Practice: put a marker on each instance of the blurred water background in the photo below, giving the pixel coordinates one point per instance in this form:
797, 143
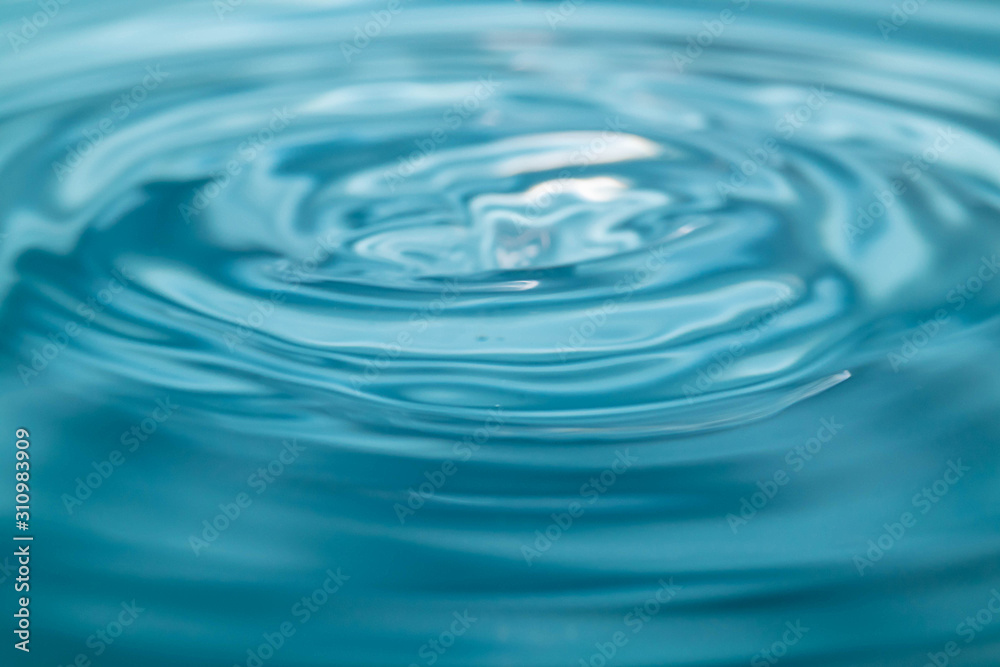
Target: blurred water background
504, 333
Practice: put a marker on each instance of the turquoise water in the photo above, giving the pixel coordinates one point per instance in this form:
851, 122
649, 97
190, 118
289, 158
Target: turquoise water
503, 333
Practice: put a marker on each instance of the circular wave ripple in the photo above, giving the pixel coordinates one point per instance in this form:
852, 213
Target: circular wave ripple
603, 219
565, 222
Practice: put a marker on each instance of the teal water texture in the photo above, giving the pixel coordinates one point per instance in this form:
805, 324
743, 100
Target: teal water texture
503, 333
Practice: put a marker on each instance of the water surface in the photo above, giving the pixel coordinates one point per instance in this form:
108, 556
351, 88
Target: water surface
505, 333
